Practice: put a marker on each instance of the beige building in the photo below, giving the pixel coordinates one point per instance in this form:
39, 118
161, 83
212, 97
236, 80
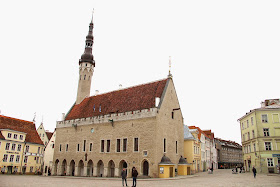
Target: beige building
140, 126
45, 135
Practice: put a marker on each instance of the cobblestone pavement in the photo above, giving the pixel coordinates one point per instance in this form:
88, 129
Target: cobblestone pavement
218, 178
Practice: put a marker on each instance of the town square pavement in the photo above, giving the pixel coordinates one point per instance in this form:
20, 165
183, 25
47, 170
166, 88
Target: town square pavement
222, 177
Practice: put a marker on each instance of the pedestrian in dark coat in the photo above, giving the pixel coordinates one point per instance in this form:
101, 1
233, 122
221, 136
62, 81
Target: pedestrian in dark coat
134, 176
254, 171
124, 176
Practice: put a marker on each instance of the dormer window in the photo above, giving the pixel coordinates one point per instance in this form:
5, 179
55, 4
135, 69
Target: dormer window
9, 135
93, 108
99, 108
21, 137
15, 136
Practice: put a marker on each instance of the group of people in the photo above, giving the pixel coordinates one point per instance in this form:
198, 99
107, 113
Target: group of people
235, 170
134, 176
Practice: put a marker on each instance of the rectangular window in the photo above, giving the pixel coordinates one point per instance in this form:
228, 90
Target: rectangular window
17, 159
21, 137
254, 145
124, 145
85, 142
90, 147
19, 147
248, 135
9, 135
31, 169
12, 158
78, 147
266, 131
249, 147
118, 145
164, 145
108, 146
275, 118
264, 118
269, 162
37, 161
59, 147
7, 146
242, 125
39, 149
252, 121
13, 147
102, 146
247, 123
66, 148
5, 158
243, 137
25, 159
15, 136
176, 147
135, 144
27, 148
267, 146
253, 133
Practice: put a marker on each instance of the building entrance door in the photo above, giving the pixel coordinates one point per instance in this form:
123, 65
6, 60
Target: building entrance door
10, 169
145, 168
171, 172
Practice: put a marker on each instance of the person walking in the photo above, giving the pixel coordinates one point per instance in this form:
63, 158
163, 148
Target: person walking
124, 176
254, 171
134, 176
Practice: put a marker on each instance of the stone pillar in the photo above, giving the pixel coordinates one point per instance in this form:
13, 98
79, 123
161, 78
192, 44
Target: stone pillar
85, 171
117, 172
95, 171
68, 172
76, 171
105, 172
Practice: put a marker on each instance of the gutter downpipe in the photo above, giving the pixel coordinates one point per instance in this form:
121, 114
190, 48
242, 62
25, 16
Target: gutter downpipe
258, 141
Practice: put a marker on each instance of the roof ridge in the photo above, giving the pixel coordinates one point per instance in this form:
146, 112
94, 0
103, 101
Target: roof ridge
16, 119
129, 87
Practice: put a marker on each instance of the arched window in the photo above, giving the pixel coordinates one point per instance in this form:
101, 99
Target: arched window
85, 77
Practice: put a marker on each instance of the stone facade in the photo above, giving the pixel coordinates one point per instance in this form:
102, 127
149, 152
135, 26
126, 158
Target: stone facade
78, 141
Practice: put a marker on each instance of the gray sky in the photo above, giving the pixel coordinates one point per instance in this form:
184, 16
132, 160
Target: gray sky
225, 55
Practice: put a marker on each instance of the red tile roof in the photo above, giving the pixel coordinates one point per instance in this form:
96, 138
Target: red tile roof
209, 134
49, 135
21, 126
129, 99
199, 131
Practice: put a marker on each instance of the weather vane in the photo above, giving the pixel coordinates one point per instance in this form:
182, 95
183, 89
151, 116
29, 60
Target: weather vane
169, 75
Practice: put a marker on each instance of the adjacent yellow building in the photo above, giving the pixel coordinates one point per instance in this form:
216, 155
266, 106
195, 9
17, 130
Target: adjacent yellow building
260, 133
21, 149
192, 149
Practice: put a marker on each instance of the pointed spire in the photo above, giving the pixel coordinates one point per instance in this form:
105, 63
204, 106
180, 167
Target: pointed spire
87, 55
169, 74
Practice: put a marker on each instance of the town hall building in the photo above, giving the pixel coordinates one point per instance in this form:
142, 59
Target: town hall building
140, 126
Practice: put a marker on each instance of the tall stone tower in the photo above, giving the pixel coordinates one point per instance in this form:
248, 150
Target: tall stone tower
86, 67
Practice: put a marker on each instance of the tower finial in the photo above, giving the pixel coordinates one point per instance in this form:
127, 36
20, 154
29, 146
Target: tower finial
169, 74
92, 15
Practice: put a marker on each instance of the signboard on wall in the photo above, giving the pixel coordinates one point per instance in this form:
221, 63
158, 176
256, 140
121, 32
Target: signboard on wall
161, 170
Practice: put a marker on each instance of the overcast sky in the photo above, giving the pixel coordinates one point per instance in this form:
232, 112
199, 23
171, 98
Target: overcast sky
225, 55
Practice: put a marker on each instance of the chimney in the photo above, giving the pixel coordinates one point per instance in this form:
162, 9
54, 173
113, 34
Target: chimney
120, 86
63, 116
96, 92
